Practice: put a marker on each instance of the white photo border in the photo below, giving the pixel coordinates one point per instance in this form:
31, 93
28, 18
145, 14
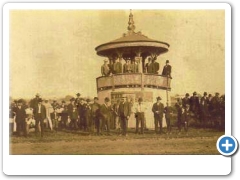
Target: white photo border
129, 164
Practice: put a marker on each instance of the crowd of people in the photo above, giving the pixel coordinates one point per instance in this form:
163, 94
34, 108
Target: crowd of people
132, 66
84, 115
208, 110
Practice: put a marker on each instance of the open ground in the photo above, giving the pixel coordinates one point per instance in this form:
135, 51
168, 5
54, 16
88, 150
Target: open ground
196, 141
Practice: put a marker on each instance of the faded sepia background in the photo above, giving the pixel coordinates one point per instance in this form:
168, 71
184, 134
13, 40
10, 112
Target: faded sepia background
53, 52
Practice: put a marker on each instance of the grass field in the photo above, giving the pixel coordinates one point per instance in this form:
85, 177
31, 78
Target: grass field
197, 141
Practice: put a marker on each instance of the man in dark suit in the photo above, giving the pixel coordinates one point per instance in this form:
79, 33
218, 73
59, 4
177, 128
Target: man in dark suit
124, 112
158, 110
204, 109
71, 105
95, 111
134, 66
167, 70
20, 114
39, 112
186, 100
81, 109
149, 66
105, 116
155, 66
77, 99
117, 66
34, 101
194, 104
127, 67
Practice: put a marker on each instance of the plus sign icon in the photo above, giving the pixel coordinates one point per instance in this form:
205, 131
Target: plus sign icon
227, 145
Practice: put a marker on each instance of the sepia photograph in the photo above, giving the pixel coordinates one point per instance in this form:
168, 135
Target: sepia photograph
116, 81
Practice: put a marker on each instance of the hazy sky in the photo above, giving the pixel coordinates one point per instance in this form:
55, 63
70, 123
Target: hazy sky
53, 52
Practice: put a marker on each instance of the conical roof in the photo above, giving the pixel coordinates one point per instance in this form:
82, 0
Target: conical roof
130, 40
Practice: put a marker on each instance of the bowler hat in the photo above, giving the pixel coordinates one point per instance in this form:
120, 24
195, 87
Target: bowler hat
187, 94
95, 98
194, 93
159, 98
107, 99
216, 93
72, 99
20, 101
205, 93
78, 94
167, 61
140, 99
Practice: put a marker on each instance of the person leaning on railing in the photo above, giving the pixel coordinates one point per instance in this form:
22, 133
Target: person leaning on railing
167, 70
105, 70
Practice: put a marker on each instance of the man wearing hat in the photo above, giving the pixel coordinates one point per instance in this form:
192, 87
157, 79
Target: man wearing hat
167, 70
77, 99
215, 108
158, 110
124, 112
39, 112
127, 67
95, 111
149, 66
64, 115
87, 115
20, 114
155, 66
105, 70
71, 105
73, 115
117, 67
105, 111
194, 104
34, 101
186, 100
54, 104
81, 113
203, 109
139, 110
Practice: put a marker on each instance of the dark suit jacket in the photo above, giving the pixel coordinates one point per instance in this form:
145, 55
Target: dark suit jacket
185, 101
42, 113
70, 108
105, 111
124, 110
159, 108
155, 67
20, 114
117, 67
54, 116
150, 68
167, 70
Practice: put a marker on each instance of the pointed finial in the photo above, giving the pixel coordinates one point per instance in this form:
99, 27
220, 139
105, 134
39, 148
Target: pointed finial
131, 26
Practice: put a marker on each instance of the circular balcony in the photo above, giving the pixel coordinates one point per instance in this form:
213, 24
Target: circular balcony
133, 80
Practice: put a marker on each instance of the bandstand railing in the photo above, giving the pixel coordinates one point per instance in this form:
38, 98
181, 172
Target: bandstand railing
133, 80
